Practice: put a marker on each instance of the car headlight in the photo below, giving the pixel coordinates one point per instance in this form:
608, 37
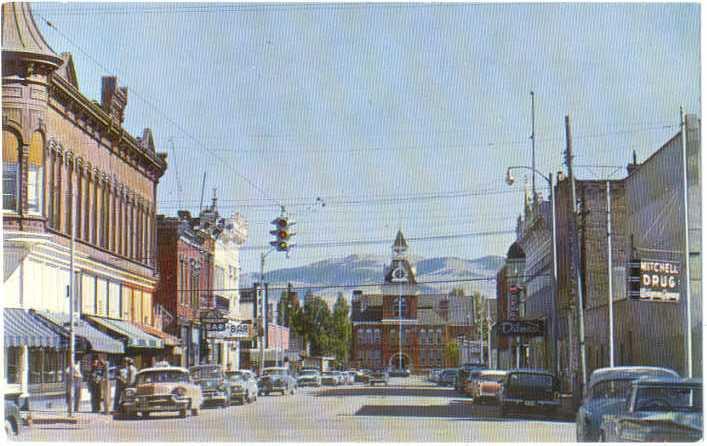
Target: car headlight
179, 392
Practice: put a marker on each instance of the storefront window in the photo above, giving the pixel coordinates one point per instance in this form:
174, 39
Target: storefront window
12, 366
46, 366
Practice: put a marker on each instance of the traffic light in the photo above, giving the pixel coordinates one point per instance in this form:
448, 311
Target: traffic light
283, 233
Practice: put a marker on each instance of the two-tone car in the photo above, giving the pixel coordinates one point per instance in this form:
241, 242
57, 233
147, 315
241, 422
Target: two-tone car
606, 395
664, 409
213, 384
330, 378
378, 376
277, 379
309, 377
244, 386
161, 389
529, 389
486, 387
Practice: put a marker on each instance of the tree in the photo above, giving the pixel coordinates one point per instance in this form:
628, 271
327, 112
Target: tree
340, 332
312, 322
452, 354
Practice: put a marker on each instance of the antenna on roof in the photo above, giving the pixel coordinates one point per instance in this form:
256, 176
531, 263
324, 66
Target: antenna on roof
201, 201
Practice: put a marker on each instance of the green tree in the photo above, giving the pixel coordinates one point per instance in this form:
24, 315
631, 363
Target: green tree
452, 354
313, 323
340, 330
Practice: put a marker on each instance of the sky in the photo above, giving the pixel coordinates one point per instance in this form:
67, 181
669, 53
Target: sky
393, 115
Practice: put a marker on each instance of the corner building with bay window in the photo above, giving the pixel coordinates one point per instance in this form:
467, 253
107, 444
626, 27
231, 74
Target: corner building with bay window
67, 161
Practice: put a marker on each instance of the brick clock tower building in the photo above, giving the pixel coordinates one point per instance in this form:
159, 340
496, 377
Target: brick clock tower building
402, 327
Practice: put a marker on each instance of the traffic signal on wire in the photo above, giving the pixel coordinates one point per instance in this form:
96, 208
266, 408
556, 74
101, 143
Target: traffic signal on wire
283, 233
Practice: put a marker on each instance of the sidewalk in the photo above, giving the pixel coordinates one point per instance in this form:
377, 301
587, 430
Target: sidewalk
57, 413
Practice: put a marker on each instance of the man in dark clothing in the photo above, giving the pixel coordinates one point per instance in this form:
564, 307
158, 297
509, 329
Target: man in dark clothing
121, 382
95, 379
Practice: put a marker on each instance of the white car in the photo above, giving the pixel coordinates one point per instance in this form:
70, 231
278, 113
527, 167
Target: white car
350, 377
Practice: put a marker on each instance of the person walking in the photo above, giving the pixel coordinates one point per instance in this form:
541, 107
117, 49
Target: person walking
95, 380
121, 382
76, 371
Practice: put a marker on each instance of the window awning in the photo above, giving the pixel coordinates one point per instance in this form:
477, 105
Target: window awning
23, 328
168, 339
132, 335
98, 341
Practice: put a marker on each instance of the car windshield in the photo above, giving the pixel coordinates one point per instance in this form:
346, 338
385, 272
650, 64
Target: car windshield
531, 380
497, 378
307, 373
235, 375
615, 388
206, 372
274, 372
162, 376
669, 399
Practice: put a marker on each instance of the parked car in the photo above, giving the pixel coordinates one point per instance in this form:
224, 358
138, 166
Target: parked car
277, 379
162, 389
213, 384
606, 395
309, 377
363, 375
400, 373
350, 376
434, 375
13, 421
662, 409
470, 381
379, 376
529, 389
340, 376
487, 385
243, 385
462, 375
330, 378
447, 377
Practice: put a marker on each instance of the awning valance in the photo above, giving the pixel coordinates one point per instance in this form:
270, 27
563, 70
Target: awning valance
23, 328
133, 336
99, 341
167, 338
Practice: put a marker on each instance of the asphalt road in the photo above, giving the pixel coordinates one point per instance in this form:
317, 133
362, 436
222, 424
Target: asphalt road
409, 409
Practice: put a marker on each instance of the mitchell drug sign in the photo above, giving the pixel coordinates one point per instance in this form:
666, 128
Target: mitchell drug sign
654, 280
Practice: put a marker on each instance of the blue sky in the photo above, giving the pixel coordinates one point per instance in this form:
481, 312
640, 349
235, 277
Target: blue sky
402, 103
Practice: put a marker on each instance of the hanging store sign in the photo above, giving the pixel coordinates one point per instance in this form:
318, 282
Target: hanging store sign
653, 280
521, 328
232, 330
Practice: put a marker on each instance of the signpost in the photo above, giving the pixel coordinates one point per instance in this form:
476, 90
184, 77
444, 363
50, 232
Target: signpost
521, 328
654, 280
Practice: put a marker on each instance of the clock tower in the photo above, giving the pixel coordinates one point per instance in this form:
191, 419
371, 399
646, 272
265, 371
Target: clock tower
400, 271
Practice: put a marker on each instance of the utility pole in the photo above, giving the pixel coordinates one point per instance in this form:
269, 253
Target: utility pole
263, 313
575, 255
532, 138
400, 334
611, 276
488, 329
72, 352
481, 333
688, 310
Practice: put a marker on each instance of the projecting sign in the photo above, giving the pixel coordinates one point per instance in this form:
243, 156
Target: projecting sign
232, 330
654, 280
521, 328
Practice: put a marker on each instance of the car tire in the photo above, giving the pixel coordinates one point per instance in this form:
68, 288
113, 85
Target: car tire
292, 392
10, 428
145, 414
183, 413
602, 437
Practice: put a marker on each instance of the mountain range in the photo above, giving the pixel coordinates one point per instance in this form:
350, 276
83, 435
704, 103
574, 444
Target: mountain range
329, 277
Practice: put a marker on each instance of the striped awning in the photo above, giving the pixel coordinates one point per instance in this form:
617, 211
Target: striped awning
168, 339
23, 328
131, 334
98, 341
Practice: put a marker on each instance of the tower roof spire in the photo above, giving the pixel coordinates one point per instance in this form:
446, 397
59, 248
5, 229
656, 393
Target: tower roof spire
400, 245
21, 36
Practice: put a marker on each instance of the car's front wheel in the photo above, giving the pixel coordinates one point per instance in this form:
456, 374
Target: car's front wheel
183, 413
145, 414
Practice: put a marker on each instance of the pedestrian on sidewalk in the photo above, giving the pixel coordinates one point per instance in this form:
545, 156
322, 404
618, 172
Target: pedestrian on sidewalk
76, 372
95, 380
121, 382
132, 372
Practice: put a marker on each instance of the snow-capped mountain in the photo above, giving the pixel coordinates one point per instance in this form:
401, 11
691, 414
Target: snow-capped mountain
440, 274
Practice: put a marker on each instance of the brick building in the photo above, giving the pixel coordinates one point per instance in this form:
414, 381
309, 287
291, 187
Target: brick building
64, 152
403, 326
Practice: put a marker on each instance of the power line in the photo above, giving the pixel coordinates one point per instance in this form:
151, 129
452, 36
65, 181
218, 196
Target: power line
159, 111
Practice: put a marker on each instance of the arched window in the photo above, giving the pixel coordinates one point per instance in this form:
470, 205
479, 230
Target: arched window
393, 337
400, 307
369, 336
377, 335
35, 171
10, 170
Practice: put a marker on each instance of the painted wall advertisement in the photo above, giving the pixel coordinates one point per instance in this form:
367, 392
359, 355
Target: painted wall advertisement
654, 280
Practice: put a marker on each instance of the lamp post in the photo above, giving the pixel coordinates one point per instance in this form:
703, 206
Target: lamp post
263, 313
510, 180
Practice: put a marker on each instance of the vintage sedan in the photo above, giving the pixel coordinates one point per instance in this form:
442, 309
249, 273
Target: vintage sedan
470, 381
161, 389
606, 395
213, 383
244, 386
350, 376
487, 385
379, 376
330, 378
277, 379
309, 377
665, 409
447, 377
524, 389
362, 375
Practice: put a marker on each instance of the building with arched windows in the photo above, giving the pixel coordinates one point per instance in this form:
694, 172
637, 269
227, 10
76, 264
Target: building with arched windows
69, 163
402, 326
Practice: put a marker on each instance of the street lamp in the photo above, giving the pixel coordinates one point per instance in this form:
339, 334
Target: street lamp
510, 180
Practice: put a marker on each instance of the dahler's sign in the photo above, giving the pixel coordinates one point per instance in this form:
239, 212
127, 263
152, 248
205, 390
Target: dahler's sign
654, 280
232, 330
521, 328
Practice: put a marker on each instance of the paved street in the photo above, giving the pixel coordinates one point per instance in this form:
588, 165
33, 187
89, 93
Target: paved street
409, 409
